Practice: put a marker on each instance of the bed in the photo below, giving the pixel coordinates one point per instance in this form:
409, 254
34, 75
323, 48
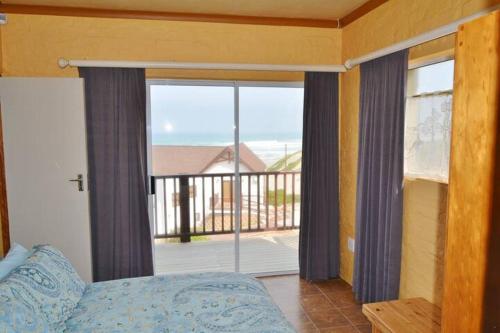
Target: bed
41, 298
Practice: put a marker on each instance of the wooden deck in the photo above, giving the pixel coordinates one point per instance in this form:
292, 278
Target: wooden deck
260, 253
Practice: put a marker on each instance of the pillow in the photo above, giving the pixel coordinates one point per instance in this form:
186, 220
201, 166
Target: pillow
15, 257
16, 314
46, 283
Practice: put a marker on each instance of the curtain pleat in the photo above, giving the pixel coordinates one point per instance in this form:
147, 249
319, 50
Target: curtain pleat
319, 212
115, 101
379, 199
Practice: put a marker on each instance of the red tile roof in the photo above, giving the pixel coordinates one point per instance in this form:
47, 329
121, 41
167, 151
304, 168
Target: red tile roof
172, 160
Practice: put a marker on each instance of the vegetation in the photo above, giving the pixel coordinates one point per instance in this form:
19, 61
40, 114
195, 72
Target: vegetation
289, 198
193, 239
291, 162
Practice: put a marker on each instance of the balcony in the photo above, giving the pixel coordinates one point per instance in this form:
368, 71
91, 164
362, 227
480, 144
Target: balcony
194, 217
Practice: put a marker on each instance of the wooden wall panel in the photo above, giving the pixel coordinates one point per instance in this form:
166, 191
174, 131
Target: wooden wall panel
424, 230
473, 171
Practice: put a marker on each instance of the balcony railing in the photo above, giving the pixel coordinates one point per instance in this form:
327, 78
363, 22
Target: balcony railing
203, 204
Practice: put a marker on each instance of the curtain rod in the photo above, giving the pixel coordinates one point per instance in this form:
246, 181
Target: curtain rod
199, 65
350, 63
419, 39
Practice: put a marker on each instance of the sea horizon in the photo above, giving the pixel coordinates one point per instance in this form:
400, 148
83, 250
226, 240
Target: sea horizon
269, 148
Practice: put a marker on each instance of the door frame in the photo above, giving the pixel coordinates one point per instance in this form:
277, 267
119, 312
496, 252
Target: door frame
4, 210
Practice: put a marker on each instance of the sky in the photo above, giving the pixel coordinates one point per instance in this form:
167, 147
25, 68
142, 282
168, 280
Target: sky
190, 114
204, 114
436, 77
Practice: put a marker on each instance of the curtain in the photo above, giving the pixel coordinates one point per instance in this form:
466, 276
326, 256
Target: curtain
379, 199
115, 101
427, 136
319, 209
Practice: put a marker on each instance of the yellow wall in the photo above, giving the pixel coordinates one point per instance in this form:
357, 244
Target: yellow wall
424, 223
32, 44
393, 21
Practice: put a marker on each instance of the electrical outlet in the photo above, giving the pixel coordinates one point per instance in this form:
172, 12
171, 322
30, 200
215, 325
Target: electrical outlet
350, 244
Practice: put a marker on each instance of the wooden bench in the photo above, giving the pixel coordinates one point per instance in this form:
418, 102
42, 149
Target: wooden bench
414, 315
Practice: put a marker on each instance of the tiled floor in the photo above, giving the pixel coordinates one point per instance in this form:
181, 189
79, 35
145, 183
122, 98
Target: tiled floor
317, 307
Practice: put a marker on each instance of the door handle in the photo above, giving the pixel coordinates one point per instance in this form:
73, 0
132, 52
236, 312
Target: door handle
79, 180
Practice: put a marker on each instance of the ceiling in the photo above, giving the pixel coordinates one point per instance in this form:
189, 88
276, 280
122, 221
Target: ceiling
307, 9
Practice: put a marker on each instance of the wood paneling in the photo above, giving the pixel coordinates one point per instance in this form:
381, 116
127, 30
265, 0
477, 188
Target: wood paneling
473, 199
360, 11
424, 230
167, 16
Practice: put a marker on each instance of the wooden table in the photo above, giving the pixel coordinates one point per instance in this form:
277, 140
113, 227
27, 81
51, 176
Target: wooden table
414, 315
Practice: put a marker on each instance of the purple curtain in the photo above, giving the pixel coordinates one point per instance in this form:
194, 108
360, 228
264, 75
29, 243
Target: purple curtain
115, 101
380, 178
319, 209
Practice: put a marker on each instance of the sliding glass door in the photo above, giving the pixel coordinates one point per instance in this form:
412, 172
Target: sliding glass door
204, 136
192, 164
271, 144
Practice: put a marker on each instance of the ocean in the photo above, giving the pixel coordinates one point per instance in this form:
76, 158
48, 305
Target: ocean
268, 147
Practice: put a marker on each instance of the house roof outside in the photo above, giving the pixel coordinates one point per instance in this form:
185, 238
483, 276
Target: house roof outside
173, 160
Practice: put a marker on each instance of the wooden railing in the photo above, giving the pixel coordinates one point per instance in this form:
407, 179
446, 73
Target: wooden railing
203, 204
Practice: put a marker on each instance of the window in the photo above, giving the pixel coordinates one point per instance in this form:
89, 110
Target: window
428, 121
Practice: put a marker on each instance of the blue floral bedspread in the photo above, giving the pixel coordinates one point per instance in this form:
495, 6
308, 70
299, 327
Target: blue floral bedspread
205, 302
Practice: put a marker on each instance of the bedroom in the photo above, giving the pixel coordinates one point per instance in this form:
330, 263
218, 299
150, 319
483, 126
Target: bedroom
231, 46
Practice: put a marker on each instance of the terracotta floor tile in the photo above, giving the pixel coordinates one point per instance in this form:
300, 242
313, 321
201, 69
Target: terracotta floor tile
354, 314
313, 303
328, 318
364, 328
333, 285
311, 307
307, 288
340, 329
342, 299
290, 287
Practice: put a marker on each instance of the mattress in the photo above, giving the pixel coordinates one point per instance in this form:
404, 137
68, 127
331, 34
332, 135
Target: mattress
205, 302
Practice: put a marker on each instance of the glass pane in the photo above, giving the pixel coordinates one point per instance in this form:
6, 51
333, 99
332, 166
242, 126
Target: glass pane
427, 136
432, 78
271, 137
193, 162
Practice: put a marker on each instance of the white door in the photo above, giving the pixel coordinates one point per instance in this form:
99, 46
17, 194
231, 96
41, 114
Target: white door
45, 147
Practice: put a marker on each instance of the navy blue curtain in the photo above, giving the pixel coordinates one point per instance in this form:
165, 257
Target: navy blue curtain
380, 178
319, 209
115, 102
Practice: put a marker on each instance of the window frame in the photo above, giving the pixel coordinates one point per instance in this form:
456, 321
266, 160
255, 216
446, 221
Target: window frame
414, 65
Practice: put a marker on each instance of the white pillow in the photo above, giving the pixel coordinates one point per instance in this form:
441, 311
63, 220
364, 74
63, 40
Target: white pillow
15, 257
